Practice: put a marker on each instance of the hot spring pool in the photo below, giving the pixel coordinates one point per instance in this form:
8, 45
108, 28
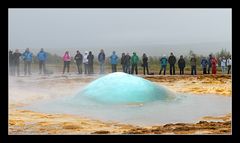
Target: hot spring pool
130, 99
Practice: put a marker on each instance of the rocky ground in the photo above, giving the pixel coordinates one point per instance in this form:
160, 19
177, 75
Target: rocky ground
29, 122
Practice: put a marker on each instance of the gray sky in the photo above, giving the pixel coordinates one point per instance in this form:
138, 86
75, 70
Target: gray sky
154, 31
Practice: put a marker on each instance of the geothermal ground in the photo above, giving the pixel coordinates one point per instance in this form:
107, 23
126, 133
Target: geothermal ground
24, 91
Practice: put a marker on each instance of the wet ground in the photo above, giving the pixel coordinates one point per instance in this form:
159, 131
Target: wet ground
24, 91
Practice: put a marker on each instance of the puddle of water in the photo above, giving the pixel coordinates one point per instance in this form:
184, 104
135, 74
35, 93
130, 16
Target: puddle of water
184, 108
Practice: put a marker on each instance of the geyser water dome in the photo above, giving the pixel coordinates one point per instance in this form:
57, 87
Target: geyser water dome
120, 87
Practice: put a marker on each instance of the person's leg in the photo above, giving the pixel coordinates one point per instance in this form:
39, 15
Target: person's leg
92, 69
170, 69
164, 69
78, 68
64, 66
147, 70
144, 69
191, 70
29, 68
115, 68
40, 67
68, 66
161, 70
12, 70
228, 69
136, 68
180, 70
132, 68
126, 68
18, 72
213, 70
103, 68
195, 68
44, 67
88, 68
173, 69
183, 70
25, 67
100, 68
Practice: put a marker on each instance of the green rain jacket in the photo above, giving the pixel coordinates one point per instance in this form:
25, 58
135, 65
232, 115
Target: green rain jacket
134, 59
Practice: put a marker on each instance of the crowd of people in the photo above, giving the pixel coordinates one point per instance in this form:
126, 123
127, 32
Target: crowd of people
129, 63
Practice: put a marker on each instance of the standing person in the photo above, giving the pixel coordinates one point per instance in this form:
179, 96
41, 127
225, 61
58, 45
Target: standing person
181, 65
123, 61
229, 64
90, 58
79, 59
66, 60
134, 62
127, 63
223, 64
16, 56
204, 64
214, 65
172, 61
113, 61
163, 62
145, 63
27, 58
42, 57
85, 62
11, 63
193, 63
101, 60
209, 63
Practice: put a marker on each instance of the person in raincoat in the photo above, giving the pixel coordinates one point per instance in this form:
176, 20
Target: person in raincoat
27, 58
134, 62
204, 64
113, 61
79, 59
85, 62
163, 62
90, 58
66, 60
214, 63
42, 57
101, 60
181, 64
172, 61
145, 63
